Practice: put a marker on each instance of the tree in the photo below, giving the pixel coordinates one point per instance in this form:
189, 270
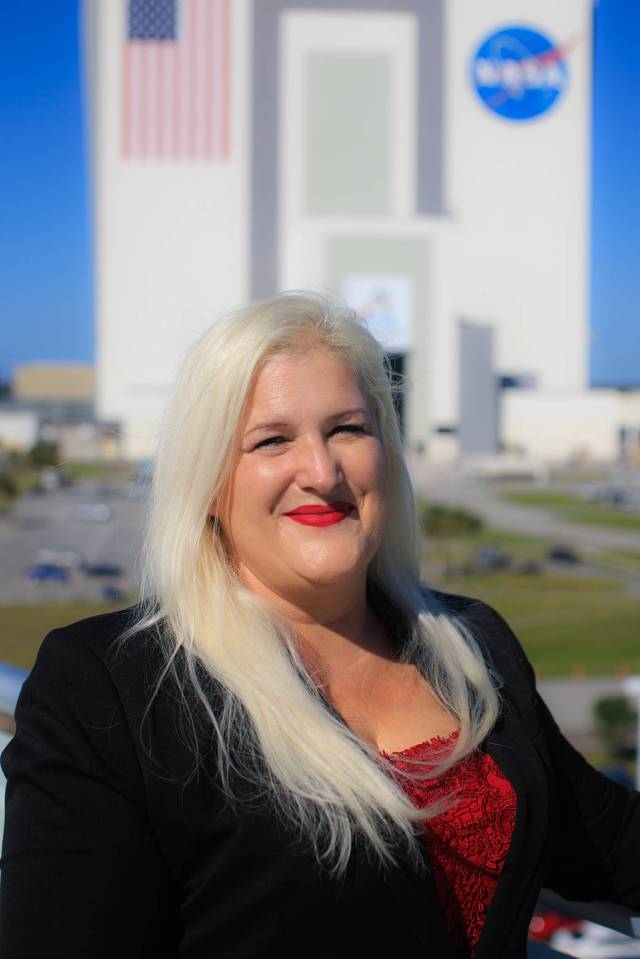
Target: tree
445, 521
615, 720
44, 454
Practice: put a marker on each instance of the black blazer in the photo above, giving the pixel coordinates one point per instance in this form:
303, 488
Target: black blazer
115, 846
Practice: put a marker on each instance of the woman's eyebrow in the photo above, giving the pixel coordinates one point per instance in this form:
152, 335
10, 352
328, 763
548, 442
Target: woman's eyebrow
283, 424
271, 425
346, 413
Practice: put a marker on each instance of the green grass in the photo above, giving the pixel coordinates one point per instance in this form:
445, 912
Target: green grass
98, 470
620, 560
457, 552
567, 624
547, 498
574, 509
22, 628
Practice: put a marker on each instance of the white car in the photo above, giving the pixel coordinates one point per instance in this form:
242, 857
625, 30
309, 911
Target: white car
94, 513
60, 556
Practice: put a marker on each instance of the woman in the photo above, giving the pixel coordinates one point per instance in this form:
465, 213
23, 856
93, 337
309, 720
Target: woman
291, 747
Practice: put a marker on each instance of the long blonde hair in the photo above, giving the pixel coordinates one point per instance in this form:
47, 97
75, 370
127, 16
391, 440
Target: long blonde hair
321, 777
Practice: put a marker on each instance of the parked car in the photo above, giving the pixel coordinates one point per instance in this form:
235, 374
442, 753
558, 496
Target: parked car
49, 479
609, 494
60, 556
112, 594
490, 559
528, 567
561, 553
94, 512
43, 572
104, 569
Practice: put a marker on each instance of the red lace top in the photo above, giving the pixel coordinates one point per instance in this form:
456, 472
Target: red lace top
468, 841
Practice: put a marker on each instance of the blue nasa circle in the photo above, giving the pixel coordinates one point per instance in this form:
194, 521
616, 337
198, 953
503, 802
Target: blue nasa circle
519, 73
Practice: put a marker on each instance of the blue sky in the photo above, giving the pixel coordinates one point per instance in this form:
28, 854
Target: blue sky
46, 282
45, 258
615, 228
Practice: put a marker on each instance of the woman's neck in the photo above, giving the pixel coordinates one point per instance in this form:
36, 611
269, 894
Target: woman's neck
335, 626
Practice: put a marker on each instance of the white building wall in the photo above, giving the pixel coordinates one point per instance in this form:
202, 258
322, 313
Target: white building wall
511, 248
171, 238
519, 192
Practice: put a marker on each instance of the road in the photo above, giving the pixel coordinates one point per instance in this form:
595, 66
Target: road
448, 485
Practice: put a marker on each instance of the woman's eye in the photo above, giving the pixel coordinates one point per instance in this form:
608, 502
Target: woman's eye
270, 441
349, 428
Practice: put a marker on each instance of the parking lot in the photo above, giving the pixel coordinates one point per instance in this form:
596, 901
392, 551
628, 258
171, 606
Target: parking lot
97, 524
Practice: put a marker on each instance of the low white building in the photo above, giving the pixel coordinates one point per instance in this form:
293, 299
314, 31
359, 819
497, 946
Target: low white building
581, 425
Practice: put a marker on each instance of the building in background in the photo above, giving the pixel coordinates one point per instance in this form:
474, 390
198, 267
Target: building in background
54, 403
54, 381
426, 160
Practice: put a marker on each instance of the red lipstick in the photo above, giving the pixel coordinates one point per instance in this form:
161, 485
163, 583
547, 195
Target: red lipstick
321, 515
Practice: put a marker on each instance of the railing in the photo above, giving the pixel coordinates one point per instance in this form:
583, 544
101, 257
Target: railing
604, 913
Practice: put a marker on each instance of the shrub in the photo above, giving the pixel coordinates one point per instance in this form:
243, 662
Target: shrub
8, 485
445, 521
615, 720
44, 454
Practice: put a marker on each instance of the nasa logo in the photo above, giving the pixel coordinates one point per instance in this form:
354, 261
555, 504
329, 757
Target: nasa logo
519, 73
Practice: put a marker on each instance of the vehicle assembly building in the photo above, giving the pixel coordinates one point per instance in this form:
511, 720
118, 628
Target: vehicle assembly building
427, 160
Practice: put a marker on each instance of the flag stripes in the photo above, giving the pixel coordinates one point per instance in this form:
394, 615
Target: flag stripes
175, 84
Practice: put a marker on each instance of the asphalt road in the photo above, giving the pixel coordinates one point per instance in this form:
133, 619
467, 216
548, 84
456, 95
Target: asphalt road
52, 519
449, 485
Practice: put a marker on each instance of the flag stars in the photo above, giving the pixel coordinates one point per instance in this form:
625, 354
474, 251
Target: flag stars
152, 20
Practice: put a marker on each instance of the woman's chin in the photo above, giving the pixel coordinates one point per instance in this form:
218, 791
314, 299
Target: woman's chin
332, 574
336, 566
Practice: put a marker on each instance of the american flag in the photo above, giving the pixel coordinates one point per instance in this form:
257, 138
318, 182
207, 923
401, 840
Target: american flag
175, 79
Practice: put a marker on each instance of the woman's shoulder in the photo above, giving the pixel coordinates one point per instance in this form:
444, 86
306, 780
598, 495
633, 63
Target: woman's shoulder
112, 690
94, 662
105, 637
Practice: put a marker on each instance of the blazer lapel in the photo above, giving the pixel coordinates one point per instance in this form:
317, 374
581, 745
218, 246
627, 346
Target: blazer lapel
513, 752
413, 890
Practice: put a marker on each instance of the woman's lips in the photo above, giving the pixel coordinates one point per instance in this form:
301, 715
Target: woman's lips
321, 515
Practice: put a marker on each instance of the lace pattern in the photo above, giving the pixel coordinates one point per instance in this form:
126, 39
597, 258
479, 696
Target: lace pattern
468, 841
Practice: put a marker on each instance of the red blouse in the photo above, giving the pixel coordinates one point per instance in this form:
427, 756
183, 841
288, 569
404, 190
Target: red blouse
468, 841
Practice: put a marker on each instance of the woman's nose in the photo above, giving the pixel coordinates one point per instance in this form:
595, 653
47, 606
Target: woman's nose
318, 467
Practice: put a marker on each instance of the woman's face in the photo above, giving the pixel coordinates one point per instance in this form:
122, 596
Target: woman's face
306, 502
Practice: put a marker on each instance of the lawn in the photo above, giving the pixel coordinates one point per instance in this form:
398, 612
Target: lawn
574, 509
568, 624
22, 628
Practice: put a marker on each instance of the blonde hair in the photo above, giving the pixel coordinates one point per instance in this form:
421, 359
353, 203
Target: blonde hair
320, 776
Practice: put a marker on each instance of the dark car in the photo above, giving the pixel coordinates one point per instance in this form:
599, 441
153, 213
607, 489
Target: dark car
104, 569
560, 553
112, 594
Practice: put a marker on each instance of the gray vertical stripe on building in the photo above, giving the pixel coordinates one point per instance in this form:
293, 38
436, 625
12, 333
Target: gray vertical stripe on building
478, 412
264, 234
